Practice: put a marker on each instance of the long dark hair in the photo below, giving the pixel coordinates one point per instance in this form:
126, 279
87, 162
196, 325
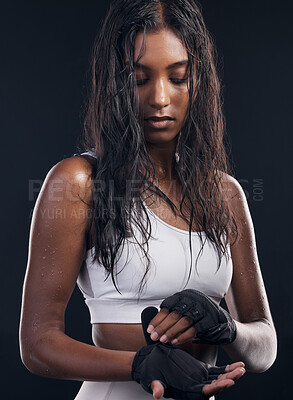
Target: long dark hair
113, 130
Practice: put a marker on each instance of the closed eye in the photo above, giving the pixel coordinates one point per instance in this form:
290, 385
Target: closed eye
141, 82
178, 81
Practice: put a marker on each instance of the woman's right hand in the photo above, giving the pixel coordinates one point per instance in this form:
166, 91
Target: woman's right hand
224, 381
166, 369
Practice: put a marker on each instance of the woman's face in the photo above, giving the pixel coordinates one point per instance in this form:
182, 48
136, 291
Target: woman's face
162, 79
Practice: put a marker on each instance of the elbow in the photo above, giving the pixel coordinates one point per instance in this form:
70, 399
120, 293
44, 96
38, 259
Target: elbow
28, 364
31, 357
262, 366
268, 359
30, 360
41, 354
256, 346
268, 362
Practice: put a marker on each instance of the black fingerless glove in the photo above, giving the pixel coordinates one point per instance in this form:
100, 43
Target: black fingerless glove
213, 324
182, 376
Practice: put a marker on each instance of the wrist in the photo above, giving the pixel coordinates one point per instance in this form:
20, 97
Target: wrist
131, 356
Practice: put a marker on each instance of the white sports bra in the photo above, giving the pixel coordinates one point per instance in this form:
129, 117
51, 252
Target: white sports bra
169, 269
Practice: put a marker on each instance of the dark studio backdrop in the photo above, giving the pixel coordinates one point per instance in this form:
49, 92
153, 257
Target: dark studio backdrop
44, 59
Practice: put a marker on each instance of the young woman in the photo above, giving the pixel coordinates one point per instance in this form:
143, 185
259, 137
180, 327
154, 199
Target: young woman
148, 210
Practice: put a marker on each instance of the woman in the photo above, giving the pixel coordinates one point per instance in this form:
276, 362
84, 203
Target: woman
149, 210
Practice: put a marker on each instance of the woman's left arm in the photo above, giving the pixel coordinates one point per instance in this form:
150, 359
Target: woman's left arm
256, 341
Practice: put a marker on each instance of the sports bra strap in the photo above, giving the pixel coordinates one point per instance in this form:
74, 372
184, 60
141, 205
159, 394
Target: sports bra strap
90, 153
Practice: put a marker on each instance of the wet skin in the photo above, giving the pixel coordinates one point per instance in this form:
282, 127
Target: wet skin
57, 249
162, 80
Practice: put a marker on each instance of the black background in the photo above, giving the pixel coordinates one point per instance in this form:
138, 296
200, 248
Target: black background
44, 59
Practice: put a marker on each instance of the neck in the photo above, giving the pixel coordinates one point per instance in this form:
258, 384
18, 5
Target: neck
163, 158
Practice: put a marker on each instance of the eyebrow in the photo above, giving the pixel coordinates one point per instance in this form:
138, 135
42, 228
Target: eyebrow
176, 64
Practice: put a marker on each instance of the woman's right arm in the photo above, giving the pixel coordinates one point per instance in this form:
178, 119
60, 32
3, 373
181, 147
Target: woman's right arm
57, 247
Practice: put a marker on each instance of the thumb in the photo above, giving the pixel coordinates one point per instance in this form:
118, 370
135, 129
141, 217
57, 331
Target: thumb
146, 316
158, 389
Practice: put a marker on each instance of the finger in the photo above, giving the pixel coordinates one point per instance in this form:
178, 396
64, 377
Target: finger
169, 320
158, 389
146, 316
217, 386
179, 329
172, 326
235, 374
235, 365
236, 371
158, 319
217, 370
184, 336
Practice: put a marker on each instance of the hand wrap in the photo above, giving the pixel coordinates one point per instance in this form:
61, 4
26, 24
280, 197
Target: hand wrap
182, 375
213, 324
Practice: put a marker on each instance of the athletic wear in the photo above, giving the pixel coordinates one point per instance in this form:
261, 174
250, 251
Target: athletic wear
128, 390
170, 264
213, 324
182, 375
169, 270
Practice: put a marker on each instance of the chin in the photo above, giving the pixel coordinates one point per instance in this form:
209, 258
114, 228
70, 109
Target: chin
160, 136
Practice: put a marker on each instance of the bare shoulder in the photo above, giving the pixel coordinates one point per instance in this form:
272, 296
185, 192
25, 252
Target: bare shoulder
233, 193
235, 198
230, 186
76, 168
65, 200
62, 218
73, 176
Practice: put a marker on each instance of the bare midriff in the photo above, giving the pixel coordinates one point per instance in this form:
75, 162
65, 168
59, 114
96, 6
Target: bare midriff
130, 337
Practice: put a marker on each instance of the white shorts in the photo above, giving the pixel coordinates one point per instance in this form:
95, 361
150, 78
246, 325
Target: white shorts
128, 390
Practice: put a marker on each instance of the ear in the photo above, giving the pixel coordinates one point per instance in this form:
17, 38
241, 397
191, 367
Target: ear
146, 316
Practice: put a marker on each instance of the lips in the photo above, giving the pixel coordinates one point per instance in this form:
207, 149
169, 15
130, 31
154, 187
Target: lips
159, 122
154, 118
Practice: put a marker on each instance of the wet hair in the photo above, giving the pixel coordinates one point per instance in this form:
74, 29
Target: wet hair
112, 129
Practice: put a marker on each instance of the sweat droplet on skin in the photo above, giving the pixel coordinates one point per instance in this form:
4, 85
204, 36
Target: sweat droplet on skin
36, 321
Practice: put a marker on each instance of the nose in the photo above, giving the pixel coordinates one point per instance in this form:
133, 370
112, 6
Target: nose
159, 94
